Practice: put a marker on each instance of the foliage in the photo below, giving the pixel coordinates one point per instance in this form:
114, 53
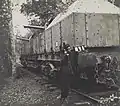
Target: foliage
41, 9
117, 3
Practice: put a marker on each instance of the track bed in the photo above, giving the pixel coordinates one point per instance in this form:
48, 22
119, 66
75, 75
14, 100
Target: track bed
87, 93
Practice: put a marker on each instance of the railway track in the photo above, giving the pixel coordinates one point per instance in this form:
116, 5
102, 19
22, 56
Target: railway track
92, 100
87, 97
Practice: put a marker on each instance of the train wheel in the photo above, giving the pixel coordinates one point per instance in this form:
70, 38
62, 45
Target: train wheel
46, 70
53, 73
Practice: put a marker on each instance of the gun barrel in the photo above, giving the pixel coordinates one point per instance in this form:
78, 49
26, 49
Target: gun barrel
34, 27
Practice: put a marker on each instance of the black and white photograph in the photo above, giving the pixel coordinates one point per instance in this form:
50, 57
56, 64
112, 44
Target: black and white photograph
59, 52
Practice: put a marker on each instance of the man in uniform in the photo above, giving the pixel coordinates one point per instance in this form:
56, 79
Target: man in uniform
65, 74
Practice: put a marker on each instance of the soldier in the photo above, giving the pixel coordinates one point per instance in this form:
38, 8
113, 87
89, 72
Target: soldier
65, 74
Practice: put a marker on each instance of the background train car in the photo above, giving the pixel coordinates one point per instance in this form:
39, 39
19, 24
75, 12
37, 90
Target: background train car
25, 47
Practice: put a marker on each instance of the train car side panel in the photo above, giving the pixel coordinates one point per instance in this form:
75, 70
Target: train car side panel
48, 40
80, 34
39, 41
56, 37
27, 47
22, 48
34, 45
67, 30
102, 30
31, 46
42, 43
119, 27
37, 44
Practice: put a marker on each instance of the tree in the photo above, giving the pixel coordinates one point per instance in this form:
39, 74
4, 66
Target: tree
5, 37
117, 3
41, 9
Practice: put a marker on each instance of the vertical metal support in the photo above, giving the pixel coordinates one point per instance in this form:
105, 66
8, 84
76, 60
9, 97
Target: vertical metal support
44, 43
74, 29
51, 41
39, 41
86, 35
61, 36
52, 51
119, 29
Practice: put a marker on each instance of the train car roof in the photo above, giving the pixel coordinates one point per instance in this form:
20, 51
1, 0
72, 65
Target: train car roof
87, 6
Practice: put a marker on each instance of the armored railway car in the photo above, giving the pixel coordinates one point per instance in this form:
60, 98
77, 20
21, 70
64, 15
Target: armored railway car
96, 25
92, 23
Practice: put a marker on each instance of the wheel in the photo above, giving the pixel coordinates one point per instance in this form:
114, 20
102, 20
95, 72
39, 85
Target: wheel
46, 70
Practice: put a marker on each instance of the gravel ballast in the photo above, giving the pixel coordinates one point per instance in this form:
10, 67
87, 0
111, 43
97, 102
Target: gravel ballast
27, 91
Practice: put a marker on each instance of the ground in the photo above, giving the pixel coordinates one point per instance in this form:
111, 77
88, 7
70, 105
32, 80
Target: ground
32, 90
26, 91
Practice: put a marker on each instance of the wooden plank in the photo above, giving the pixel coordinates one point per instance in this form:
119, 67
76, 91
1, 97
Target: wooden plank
48, 40
56, 37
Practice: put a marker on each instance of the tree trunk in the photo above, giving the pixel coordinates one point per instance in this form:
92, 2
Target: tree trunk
6, 36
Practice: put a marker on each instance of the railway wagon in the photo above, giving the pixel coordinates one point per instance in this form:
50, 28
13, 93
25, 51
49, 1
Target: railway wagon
92, 23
